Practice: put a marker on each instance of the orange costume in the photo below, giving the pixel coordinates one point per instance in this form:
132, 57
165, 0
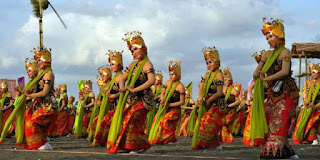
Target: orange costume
313, 119
168, 124
214, 118
42, 111
132, 135
63, 117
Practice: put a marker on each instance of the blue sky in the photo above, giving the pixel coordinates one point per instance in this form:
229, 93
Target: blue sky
173, 30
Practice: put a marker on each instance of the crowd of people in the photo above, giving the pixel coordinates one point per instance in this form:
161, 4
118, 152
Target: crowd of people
135, 109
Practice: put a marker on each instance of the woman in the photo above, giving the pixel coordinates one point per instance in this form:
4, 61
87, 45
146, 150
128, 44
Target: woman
88, 106
309, 117
44, 104
283, 94
188, 108
140, 101
156, 91
6, 105
238, 124
72, 111
212, 104
168, 124
63, 117
111, 94
231, 92
106, 75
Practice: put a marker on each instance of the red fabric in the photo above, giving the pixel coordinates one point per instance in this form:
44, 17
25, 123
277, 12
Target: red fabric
132, 136
62, 123
86, 120
102, 135
167, 128
278, 115
310, 132
71, 123
5, 116
239, 123
210, 127
36, 127
226, 135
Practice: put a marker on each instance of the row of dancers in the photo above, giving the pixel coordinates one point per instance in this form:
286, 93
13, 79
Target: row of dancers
134, 109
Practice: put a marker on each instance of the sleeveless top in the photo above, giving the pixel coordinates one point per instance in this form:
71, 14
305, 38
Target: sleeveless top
278, 89
145, 95
114, 101
88, 101
220, 101
49, 101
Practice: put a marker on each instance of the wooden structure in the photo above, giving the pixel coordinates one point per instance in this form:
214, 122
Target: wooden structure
305, 50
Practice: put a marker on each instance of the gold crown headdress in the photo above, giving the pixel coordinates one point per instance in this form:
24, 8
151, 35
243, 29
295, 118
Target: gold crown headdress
227, 74
176, 68
100, 81
3, 84
71, 97
115, 57
237, 87
31, 65
104, 70
63, 87
44, 54
188, 89
134, 38
87, 84
211, 52
244, 93
314, 68
159, 76
275, 27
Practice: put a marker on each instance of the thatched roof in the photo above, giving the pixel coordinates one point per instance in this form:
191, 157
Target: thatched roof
312, 50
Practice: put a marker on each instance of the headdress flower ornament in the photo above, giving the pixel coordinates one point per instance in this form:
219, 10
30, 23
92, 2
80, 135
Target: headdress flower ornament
31, 65
257, 56
314, 68
159, 76
227, 74
188, 89
105, 71
100, 81
134, 38
3, 84
176, 68
275, 27
115, 57
44, 54
63, 87
211, 52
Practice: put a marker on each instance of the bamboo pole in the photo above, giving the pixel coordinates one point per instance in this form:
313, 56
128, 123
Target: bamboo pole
306, 64
299, 71
40, 26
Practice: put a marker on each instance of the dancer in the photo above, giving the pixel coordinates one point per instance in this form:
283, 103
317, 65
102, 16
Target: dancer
274, 67
169, 113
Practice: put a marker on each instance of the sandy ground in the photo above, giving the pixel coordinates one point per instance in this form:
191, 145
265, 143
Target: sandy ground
72, 148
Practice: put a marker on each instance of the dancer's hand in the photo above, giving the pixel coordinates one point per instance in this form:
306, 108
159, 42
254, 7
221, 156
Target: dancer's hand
262, 76
131, 89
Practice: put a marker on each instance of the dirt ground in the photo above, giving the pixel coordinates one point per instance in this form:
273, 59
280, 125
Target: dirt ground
72, 148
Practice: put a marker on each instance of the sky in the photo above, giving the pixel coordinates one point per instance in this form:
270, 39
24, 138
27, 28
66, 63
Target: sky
172, 30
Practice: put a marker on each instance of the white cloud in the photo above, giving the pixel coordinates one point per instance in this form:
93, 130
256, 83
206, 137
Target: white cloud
172, 30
